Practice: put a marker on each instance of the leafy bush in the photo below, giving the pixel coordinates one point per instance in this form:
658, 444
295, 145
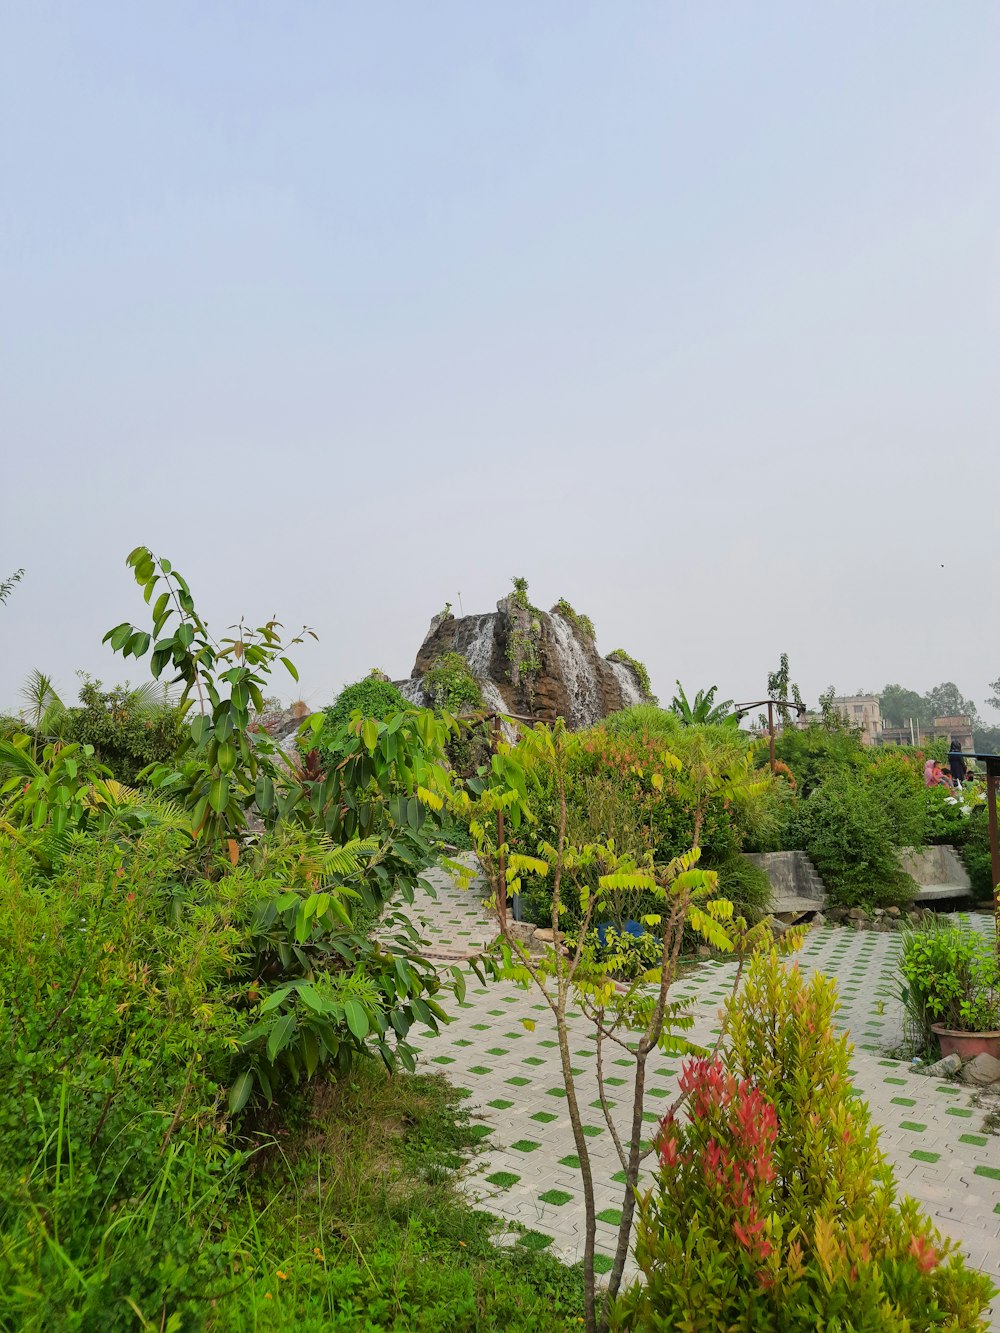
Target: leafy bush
129, 728
746, 886
144, 1007
452, 686
817, 753
613, 796
774, 1208
951, 814
950, 976
850, 831
975, 853
372, 697
115, 1050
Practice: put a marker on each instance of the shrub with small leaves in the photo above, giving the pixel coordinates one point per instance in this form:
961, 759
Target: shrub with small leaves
774, 1208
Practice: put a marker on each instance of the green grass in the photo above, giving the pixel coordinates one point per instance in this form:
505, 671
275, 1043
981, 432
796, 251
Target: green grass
360, 1226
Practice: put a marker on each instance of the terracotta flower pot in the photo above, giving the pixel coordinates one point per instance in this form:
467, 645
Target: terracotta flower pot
966, 1044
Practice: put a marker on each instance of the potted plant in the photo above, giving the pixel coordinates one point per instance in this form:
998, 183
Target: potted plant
952, 990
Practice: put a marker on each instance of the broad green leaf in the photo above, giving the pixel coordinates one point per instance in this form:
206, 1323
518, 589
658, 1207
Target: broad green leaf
309, 1047
239, 1093
357, 1019
281, 1035
290, 667
218, 794
275, 998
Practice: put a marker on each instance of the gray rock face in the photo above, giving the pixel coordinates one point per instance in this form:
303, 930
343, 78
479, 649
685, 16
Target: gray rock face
532, 663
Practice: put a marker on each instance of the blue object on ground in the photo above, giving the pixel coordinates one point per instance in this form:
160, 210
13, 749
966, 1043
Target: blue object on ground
630, 928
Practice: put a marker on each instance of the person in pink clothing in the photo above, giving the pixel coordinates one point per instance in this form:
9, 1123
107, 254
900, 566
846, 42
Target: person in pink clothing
933, 774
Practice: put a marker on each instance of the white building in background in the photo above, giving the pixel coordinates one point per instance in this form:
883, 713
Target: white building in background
861, 711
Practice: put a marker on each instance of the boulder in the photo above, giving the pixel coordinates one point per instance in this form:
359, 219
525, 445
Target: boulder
981, 1071
545, 936
951, 1064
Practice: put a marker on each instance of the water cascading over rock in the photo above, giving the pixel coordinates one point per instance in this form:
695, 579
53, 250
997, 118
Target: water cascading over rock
529, 662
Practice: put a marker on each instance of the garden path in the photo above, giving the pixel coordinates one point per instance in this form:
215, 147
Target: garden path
931, 1130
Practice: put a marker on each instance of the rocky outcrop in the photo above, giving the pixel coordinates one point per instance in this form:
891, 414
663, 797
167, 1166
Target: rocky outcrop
533, 663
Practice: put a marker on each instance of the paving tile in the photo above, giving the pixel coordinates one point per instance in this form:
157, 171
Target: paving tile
530, 1172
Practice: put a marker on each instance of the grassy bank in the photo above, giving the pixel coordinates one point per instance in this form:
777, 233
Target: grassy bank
353, 1221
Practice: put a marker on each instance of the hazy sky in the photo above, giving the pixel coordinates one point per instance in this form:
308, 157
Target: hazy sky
687, 312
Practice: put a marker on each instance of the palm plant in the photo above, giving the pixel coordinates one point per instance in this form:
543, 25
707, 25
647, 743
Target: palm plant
704, 711
44, 711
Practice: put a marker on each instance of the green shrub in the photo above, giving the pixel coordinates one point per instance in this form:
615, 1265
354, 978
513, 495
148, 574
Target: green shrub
144, 1007
642, 720
611, 796
452, 686
128, 728
975, 852
816, 753
372, 697
746, 886
115, 1050
848, 828
774, 1208
952, 815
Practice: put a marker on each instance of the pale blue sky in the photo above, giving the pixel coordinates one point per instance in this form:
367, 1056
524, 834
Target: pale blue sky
687, 312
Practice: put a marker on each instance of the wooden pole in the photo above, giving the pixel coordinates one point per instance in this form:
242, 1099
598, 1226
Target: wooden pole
991, 807
770, 732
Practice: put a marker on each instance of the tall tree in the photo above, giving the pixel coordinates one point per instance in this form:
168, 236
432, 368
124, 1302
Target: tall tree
994, 699
945, 700
780, 688
898, 705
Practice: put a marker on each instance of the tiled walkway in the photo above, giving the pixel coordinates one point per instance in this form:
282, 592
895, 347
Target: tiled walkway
931, 1131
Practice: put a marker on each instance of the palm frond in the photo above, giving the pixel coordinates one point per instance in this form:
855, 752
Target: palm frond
347, 859
14, 759
151, 697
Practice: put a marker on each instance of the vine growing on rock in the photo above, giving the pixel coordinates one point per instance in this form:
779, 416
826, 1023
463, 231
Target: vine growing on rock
452, 686
523, 640
577, 619
641, 674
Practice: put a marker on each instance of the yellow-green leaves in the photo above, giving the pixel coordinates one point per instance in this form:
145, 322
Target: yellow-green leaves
629, 880
430, 798
709, 929
369, 734
528, 865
